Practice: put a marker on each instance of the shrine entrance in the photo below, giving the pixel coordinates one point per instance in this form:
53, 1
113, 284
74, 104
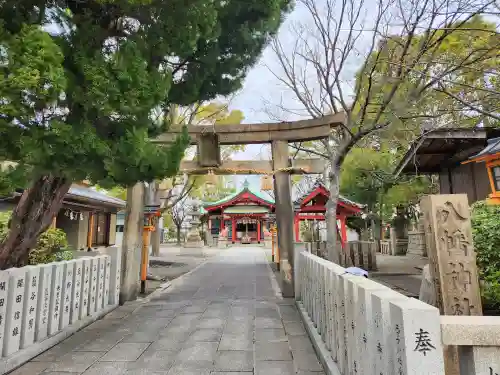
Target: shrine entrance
208, 139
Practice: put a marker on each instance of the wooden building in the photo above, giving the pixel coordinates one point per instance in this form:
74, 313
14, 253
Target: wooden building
443, 151
88, 217
242, 217
311, 206
246, 216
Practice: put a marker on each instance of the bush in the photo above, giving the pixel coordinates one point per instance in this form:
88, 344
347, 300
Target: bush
486, 232
52, 246
4, 224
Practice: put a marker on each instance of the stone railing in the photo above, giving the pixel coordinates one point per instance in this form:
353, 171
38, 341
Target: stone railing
361, 254
385, 247
359, 326
42, 305
416, 243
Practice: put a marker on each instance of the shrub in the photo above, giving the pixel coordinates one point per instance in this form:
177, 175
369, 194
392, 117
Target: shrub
486, 232
51, 246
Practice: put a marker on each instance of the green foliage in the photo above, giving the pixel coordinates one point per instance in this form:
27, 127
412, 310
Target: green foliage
469, 52
486, 231
78, 102
52, 246
367, 177
4, 224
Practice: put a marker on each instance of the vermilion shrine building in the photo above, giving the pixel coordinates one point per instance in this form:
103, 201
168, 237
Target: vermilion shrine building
246, 216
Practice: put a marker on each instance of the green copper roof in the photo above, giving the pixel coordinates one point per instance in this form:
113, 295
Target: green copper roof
243, 209
230, 197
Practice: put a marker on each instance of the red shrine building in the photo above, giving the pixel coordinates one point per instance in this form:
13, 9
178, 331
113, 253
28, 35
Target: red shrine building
246, 216
312, 206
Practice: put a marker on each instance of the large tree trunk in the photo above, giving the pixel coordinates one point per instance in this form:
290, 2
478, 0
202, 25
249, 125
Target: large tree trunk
32, 216
334, 251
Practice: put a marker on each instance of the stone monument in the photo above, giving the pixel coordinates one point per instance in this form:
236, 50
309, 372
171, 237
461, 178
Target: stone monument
453, 269
193, 239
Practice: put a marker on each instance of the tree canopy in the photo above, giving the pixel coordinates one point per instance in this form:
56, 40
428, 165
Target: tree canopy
78, 101
83, 82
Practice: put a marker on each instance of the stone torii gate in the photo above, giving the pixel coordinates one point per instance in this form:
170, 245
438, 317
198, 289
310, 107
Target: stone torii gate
208, 139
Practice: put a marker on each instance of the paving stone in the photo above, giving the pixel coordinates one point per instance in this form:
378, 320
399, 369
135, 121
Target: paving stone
168, 343
141, 337
274, 368
304, 360
101, 344
231, 373
75, 362
300, 343
31, 368
236, 342
145, 372
53, 354
205, 334
270, 334
294, 328
154, 360
234, 361
211, 323
272, 351
125, 352
192, 368
200, 351
194, 309
268, 323
239, 327
107, 368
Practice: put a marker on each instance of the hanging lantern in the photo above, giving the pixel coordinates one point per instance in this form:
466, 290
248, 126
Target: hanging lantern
266, 183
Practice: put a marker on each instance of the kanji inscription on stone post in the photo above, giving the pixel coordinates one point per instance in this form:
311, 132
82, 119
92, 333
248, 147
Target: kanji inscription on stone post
55, 302
30, 306
77, 291
451, 253
14, 313
4, 287
43, 304
84, 301
67, 291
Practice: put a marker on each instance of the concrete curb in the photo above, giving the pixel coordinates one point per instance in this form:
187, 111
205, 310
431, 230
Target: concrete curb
24, 355
319, 346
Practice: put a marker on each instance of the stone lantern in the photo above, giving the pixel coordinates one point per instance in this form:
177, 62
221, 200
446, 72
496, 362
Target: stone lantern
193, 238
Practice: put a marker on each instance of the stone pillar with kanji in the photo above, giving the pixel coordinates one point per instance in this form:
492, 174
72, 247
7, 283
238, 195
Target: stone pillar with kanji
452, 258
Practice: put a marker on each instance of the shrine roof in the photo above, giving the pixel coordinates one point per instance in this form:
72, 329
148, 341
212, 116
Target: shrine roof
246, 189
492, 148
319, 185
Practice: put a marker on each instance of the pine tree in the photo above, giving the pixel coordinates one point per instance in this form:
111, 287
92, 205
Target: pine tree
83, 82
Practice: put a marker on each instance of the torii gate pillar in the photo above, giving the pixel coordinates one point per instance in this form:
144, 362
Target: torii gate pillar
284, 215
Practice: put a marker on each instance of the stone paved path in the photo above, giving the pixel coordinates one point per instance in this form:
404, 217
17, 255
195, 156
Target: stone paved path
224, 318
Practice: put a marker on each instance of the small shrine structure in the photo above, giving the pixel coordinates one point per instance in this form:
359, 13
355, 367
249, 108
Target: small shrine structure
244, 217
312, 206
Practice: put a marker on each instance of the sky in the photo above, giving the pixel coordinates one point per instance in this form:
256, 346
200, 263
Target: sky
260, 87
